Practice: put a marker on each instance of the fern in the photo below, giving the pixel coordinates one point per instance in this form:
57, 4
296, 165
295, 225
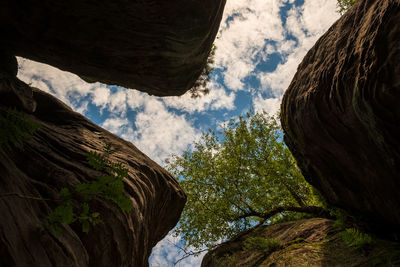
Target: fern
109, 186
14, 128
354, 238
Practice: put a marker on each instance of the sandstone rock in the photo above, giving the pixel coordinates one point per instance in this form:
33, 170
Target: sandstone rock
341, 114
155, 46
14, 92
54, 158
303, 243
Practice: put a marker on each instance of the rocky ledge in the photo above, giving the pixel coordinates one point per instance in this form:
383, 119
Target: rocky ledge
155, 46
341, 114
303, 243
55, 157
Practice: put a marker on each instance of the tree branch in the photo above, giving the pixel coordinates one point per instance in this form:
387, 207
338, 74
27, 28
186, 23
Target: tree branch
191, 252
314, 210
292, 192
296, 197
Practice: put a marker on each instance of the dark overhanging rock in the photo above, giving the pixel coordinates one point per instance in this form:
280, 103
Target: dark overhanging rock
341, 114
14, 92
155, 46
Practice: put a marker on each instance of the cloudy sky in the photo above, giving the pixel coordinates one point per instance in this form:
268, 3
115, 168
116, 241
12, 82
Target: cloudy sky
259, 45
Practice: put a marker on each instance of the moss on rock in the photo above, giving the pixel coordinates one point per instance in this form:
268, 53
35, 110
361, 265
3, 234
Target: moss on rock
309, 242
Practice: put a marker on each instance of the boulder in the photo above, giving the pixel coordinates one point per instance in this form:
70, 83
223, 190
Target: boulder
340, 114
303, 243
155, 46
32, 175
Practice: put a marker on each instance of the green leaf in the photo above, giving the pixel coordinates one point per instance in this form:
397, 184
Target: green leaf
109, 187
85, 226
65, 194
96, 160
15, 128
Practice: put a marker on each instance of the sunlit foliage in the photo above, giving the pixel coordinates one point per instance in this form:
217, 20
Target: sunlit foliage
344, 5
236, 178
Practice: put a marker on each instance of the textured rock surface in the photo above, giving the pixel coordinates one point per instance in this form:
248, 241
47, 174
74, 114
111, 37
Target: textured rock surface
341, 113
156, 46
309, 242
54, 158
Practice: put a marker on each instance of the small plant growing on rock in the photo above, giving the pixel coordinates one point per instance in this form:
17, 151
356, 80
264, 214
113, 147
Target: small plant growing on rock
354, 238
15, 127
109, 186
344, 5
200, 86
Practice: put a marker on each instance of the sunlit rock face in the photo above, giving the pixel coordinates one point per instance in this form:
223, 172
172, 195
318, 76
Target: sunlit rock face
155, 46
341, 114
301, 243
32, 175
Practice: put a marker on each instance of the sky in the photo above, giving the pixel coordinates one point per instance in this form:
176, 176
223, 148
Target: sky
259, 46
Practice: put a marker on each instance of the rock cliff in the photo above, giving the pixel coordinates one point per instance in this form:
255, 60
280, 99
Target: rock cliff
54, 157
309, 242
155, 46
341, 114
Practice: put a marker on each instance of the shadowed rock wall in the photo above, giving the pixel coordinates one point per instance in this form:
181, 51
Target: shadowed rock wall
54, 158
341, 114
155, 46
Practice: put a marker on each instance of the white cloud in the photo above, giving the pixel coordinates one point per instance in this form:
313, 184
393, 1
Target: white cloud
167, 252
215, 100
70, 88
66, 86
100, 96
270, 105
318, 16
136, 99
160, 133
243, 37
118, 126
306, 24
276, 82
114, 102
242, 42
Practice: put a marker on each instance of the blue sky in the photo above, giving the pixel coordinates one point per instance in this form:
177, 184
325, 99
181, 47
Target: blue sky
259, 45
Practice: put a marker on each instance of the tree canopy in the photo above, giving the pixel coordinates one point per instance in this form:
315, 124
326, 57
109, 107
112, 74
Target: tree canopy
344, 5
236, 178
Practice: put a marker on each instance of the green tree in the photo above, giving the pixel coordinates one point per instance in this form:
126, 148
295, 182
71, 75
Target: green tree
344, 5
237, 178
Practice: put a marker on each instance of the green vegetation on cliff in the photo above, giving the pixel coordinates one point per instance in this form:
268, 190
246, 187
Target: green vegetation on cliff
303, 243
109, 186
344, 5
15, 126
200, 86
